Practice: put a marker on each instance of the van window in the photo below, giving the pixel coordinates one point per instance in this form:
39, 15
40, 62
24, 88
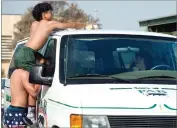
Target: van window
82, 59
50, 54
175, 49
128, 58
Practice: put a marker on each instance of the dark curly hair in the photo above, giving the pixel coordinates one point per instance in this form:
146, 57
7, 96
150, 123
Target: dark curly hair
39, 9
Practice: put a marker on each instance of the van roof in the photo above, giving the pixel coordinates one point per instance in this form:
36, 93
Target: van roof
23, 40
102, 31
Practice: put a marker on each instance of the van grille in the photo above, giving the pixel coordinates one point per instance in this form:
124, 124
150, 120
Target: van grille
143, 121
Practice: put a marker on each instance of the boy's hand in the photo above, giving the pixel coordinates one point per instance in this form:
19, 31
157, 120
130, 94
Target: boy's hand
37, 88
91, 26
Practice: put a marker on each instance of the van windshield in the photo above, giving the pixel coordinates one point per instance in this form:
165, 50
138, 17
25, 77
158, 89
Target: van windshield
120, 56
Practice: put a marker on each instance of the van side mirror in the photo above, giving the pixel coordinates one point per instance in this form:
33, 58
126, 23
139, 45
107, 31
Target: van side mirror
35, 76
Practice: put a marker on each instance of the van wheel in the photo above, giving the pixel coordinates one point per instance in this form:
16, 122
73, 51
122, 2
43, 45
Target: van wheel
55, 126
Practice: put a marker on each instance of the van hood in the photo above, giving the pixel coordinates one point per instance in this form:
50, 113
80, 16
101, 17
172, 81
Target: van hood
123, 98
132, 97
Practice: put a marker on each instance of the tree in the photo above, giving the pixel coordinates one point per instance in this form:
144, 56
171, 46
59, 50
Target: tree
63, 12
58, 6
75, 14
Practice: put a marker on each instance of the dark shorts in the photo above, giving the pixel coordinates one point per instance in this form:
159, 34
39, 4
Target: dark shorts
15, 117
25, 58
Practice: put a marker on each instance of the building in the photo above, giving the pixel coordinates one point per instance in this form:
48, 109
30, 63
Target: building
166, 24
8, 22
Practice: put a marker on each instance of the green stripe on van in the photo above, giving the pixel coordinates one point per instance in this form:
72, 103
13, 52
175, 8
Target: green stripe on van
153, 106
170, 107
8, 98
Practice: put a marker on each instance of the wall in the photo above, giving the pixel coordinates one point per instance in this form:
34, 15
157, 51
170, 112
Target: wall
8, 22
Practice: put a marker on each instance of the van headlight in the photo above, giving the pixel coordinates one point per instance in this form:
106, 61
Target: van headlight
83, 121
95, 122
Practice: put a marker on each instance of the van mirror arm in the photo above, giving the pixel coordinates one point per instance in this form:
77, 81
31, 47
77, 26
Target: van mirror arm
36, 77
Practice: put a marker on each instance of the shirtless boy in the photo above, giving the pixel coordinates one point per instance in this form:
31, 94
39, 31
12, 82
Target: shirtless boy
40, 30
16, 114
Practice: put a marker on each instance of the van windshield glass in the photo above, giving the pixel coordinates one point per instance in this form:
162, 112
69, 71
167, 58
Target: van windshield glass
126, 57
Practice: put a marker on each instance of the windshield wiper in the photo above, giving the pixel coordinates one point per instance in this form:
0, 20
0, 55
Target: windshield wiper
100, 75
157, 77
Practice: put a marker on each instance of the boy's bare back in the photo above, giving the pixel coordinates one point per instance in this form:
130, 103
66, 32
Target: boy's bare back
33, 28
20, 88
18, 93
39, 35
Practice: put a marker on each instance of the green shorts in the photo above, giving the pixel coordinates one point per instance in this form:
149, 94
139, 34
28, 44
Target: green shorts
25, 58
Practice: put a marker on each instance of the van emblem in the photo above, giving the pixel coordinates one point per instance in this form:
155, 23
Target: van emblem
154, 92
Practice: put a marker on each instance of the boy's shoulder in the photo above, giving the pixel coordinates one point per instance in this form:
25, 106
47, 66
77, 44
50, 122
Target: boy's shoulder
42, 22
34, 23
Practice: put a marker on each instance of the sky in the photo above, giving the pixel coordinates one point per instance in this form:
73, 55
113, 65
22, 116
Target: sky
122, 15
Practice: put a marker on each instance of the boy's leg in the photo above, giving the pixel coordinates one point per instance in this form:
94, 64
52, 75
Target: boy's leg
32, 109
25, 58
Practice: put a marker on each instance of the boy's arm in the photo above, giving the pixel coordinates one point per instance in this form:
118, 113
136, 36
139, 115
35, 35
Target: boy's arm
58, 25
38, 88
32, 89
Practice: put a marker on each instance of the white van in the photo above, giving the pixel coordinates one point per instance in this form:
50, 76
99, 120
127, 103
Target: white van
106, 79
3, 80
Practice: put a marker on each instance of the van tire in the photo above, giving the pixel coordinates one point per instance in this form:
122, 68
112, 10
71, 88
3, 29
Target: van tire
55, 126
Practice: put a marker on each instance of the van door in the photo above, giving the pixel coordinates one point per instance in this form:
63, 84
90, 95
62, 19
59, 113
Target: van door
50, 52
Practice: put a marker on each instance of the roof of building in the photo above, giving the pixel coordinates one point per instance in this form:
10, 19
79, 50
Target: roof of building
159, 20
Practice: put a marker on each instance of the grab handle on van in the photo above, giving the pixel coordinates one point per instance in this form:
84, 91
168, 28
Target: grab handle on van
36, 77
